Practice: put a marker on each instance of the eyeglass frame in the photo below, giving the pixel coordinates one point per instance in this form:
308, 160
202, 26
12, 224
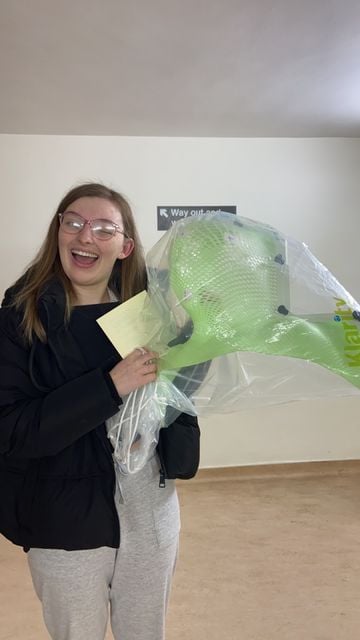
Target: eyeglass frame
90, 222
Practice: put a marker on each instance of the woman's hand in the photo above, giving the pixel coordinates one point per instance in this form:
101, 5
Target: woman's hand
136, 370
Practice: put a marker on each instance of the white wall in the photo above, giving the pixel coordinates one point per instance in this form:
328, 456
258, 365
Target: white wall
307, 188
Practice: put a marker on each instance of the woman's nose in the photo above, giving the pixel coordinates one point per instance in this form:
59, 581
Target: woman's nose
86, 234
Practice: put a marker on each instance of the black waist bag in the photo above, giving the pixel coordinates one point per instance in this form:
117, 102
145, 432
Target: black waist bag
179, 443
179, 448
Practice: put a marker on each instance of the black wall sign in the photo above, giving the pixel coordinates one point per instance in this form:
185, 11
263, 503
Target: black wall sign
166, 216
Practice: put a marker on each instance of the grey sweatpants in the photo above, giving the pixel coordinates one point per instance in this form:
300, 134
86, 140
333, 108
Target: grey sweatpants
77, 587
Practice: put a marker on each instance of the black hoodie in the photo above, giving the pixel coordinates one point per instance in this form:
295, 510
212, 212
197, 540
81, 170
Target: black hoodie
56, 469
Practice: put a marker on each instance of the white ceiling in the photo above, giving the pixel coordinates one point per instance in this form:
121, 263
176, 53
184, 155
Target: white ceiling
180, 67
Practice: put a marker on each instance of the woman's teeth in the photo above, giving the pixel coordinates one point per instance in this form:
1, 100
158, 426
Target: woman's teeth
86, 254
84, 258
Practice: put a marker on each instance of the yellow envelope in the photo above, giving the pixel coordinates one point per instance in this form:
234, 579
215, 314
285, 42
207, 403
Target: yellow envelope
131, 325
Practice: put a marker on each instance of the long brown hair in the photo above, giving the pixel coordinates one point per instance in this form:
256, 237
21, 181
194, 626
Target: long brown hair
128, 276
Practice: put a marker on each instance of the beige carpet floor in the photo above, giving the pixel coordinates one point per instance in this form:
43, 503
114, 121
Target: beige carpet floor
267, 553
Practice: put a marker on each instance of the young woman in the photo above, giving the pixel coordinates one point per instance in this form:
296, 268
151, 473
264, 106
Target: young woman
95, 539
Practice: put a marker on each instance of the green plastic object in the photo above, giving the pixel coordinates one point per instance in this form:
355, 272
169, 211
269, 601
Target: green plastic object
232, 280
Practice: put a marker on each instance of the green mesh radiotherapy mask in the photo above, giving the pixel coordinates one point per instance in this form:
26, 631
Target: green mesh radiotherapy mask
232, 278
235, 308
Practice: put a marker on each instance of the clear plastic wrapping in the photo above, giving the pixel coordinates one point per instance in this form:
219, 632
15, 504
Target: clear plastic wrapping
241, 316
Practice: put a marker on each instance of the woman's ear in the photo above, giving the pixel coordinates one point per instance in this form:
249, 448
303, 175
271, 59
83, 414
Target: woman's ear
127, 248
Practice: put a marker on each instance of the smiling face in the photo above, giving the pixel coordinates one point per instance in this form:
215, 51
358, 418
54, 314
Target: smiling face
86, 260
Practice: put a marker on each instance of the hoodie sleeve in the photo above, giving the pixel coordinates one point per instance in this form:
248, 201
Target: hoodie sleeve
35, 424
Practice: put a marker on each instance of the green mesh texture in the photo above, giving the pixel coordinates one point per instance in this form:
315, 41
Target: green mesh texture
231, 279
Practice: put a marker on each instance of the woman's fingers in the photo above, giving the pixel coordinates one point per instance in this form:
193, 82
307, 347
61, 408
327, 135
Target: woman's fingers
144, 357
134, 371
